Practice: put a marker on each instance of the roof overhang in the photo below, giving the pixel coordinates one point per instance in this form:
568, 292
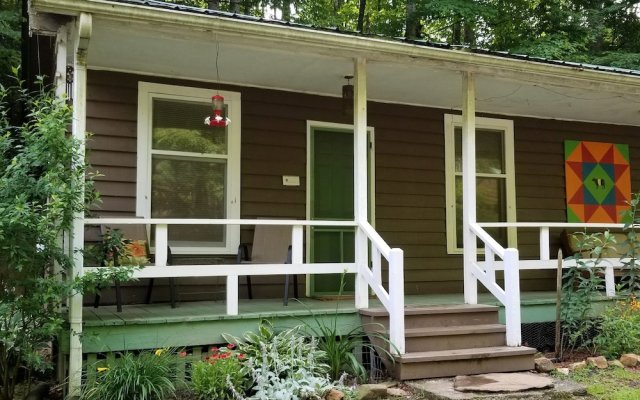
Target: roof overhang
153, 41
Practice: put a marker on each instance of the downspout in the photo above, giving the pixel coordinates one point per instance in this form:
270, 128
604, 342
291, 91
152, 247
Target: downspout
469, 185
360, 179
83, 34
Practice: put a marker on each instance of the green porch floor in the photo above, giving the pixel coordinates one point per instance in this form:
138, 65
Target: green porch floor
146, 326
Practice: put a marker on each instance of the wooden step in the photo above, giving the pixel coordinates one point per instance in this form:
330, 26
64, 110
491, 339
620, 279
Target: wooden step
448, 337
417, 316
433, 364
454, 337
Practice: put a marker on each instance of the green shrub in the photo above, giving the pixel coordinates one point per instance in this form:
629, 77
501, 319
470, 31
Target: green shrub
220, 374
150, 375
620, 329
285, 365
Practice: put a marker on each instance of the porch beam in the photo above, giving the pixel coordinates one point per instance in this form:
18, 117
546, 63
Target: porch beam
360, 179
81, 43
469, 185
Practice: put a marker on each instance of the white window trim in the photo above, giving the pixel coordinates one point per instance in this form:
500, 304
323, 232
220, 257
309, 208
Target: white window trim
450, 123
146, 93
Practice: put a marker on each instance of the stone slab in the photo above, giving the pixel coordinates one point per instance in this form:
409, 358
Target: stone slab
442, 389
502, 382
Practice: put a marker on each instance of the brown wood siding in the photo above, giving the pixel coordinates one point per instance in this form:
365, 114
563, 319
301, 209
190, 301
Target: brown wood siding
410, 178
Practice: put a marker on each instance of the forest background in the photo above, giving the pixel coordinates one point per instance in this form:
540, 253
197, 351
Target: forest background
589, 31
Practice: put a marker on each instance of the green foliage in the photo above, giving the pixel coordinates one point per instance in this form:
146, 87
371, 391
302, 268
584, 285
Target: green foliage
619, 331
10, 38
284, 365
220, 374
341, 348
149, 375
288, 347
630, 281
608, 384
41, 181
580, 283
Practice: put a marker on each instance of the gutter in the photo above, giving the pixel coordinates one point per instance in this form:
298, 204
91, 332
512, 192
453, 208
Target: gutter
373, 49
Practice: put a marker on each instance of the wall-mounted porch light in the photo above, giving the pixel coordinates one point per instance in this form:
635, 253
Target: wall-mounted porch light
347, 96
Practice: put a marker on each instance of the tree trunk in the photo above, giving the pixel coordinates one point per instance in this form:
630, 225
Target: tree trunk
469, 34
411, 21
286, 10
235, 6
213, 4
456, 31
363, 5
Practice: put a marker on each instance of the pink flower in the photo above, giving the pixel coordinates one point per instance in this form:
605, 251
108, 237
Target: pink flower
182, 354
230, 346
214, 349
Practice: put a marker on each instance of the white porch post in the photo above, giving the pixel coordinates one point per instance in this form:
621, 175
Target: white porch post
469, 185
360, 189
82, 36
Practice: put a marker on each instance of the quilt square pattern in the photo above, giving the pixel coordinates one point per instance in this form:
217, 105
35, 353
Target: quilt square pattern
598, 181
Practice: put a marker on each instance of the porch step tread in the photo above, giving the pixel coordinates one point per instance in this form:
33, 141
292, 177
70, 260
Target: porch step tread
436, 309
454, 330
464, 354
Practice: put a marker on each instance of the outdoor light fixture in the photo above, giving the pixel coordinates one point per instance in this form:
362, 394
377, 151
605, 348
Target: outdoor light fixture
217, 118
347, 96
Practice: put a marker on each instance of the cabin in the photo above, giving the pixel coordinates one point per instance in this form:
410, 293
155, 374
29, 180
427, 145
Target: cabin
421, 185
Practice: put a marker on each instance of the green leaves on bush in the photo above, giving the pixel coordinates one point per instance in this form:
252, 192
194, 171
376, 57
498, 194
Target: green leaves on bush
620, 329
220, 374
149, 375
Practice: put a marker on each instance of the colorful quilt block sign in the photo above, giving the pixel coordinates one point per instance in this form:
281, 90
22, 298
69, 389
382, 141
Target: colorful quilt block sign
598, 181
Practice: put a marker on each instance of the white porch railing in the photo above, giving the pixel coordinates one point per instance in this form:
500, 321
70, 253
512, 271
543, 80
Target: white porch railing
485, 272
510, 263
392, 300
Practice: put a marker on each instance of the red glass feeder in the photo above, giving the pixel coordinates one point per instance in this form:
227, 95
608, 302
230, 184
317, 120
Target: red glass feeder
217, 119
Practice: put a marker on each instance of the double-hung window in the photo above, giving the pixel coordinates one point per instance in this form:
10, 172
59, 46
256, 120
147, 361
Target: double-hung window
186, 169
495, 179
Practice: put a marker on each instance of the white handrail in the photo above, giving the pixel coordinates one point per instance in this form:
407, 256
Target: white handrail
488, 240
192, 221
547, 224
510, 295
393, 300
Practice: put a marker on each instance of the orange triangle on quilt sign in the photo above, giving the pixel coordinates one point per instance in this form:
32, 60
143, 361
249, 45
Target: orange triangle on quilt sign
618, 158
576, 167
586, 155
611, 212
578, 198
576, 155
607, 157
578, 210
573, 183
597, 149
597, 214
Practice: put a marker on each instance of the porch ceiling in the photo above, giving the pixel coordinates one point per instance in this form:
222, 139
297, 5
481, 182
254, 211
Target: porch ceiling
190, 54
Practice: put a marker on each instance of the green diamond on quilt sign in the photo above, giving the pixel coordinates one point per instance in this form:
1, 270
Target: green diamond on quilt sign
598, 184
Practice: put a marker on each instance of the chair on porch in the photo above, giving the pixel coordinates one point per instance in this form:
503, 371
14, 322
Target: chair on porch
271, 245
137, 235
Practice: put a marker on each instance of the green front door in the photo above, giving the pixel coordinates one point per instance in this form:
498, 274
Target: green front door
331, 198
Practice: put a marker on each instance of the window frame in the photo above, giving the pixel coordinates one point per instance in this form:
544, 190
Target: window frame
147, 92
451, 122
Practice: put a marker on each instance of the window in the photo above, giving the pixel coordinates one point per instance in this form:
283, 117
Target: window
495, 179
187, 169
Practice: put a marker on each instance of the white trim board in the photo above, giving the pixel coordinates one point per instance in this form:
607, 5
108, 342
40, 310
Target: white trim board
146, 93
506, 126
